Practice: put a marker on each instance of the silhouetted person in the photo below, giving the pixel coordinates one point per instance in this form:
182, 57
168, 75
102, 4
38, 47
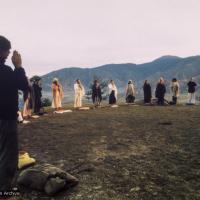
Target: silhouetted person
37, 96
10, 81
96, 93
160, 91
147, 92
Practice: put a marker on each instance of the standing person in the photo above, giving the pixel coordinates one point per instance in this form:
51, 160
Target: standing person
79, 93
160, 91
28, 96
191, 91
38, 95
112, 92
130, 92
10, 82
96, 93
147, 92
57, 92
175, 89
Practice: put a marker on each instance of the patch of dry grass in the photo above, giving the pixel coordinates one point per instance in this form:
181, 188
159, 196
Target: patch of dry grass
129, 152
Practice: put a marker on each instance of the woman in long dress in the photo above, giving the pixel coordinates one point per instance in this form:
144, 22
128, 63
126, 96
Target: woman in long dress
147, 92
160, 91
79, 93
112, 92
38, 95
57, 94
130, 92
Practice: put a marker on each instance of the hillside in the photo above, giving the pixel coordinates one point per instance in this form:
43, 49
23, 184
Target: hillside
141, 152
167, 66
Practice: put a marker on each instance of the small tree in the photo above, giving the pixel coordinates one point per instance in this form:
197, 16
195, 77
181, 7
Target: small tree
46, 102
104, 93
35, 78
88, 94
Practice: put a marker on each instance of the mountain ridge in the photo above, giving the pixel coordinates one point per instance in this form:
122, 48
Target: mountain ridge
167, 66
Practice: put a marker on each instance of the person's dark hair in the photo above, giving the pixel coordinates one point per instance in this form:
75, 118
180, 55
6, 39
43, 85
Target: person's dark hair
174, 80
95, 81
145, 82
5, 44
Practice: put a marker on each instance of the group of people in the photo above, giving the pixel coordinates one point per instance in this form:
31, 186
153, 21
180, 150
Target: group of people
175, 90
130, 92
79, 90
57, 92
13, 80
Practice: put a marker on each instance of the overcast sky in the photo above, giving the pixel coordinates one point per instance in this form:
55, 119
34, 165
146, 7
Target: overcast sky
53, 34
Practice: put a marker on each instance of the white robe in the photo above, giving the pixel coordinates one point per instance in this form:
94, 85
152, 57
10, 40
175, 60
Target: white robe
112, 87
79, 93
130, 90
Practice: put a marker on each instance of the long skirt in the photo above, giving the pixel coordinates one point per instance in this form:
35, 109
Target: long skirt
8, 153
78, 101
38, 105
56, 103
130, 99
112, 98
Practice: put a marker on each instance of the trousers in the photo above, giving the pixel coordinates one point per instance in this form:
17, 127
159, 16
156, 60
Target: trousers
8, 153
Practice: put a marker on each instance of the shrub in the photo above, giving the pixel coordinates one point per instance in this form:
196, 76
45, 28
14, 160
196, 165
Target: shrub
46, 102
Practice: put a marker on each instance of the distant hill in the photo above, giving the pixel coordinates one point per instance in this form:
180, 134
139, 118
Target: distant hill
166, 66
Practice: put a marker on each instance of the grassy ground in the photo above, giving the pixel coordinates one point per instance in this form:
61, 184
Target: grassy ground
124, 153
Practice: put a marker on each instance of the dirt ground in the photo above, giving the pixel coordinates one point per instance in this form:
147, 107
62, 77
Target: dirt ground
124, 153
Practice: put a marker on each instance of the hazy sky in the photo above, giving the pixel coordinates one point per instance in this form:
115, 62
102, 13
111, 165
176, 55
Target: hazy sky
53, 34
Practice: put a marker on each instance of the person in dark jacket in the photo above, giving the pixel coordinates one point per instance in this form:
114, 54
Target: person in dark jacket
37, 96
160, 91
191, 91
10, 82
96, 93
147, 92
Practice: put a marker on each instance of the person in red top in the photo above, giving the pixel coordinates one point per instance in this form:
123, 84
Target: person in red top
10, 82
